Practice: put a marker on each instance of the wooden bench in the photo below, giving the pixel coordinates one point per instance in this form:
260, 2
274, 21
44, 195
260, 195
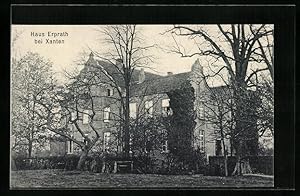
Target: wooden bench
122, 164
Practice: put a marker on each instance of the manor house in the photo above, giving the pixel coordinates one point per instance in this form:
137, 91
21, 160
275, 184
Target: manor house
148, 97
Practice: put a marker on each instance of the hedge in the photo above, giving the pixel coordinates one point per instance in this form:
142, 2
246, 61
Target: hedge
68, 162
142, 164
259, 164
95, 162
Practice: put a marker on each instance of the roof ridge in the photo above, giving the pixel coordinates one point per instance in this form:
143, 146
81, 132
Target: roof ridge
177, 74
110, 64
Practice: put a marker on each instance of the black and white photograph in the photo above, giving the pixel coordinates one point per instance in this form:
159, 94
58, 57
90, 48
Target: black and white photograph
142, 106
97, 106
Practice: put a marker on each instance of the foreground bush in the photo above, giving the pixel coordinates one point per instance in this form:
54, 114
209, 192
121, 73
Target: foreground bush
68, 162
195, 163
259, 164
104, 163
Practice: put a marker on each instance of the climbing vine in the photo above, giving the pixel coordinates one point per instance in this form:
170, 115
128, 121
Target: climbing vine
182, 123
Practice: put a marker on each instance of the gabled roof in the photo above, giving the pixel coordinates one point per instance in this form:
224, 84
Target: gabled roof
153, 84
160, 85
113, 71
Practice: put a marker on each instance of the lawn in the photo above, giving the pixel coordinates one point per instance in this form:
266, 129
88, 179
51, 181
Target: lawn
75, 179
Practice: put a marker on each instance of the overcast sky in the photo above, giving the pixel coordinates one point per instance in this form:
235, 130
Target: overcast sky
82, 37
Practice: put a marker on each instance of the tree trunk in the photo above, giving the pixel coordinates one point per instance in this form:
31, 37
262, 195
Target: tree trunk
237, 168
225, 158
126, 123
245, 167
82, 159
225, 165
241, 147
241, 166
29, 149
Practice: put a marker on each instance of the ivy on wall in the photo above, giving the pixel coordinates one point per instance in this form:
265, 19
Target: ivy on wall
182, 122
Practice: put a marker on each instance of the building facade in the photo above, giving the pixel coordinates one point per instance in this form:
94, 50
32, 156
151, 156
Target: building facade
148, 99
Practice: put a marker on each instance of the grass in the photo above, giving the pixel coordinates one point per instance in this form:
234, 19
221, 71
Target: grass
74, 179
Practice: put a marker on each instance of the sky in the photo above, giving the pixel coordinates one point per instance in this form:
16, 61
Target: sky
82, 37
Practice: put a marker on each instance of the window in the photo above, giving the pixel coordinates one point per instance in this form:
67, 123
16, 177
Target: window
85, 117
165, 146
106, 117
106, 140
84, 140
70, 147
201, 112
201, 140
73, 115
201, 134
166, 110
132, 110
218, 147
130, 144
148, 146
110, 92
149, 108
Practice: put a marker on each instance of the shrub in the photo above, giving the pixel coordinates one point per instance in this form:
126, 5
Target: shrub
67, 162
259, 164
144, 164
194, 164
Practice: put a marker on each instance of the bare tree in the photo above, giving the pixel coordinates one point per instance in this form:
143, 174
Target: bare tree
146, 129
236, 46
82, 94
31, 79
126, 53
69, 106
218, 106
266, 109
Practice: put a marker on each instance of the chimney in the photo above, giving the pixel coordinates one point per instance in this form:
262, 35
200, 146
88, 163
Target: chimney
141, 76
169, 73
